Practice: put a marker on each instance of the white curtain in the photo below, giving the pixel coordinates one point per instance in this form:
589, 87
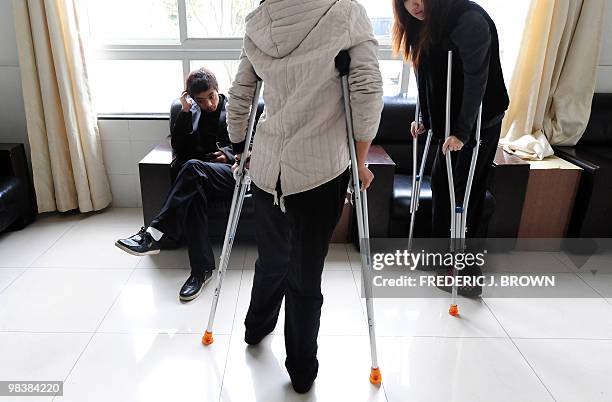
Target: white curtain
66, 154
554, 80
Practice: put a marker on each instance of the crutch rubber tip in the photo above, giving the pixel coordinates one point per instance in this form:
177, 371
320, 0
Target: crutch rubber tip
453, 310
207, 339
375, 377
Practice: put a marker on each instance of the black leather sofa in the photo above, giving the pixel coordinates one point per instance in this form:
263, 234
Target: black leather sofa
592, 213
16, 198
393, 135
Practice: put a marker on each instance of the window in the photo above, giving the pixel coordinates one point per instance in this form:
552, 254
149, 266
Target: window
140, 55
217, 19
224, 70
509, 18
135, 86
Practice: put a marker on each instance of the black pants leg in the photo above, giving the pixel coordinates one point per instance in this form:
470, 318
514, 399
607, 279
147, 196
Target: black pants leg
184, 210
441, 212
292, 250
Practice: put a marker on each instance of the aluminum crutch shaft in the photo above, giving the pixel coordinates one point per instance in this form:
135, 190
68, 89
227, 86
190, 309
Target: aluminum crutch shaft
458, 212
417, 178
414, 196
242, 183
361, 202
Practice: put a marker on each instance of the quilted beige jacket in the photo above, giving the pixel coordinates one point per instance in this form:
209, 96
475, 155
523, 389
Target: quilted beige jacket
301, 137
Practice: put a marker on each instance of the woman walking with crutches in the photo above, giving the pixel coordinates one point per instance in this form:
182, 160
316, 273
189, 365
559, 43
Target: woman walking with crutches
425, 31
300, 155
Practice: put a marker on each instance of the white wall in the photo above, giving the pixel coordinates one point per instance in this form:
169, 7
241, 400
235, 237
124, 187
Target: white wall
604, 82
124, 144
12, 113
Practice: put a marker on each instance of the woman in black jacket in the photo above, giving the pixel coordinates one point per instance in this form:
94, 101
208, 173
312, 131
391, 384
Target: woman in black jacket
424, 31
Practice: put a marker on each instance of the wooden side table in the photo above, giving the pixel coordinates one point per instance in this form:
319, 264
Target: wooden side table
508, 184
549, 200
380, 193
155, 180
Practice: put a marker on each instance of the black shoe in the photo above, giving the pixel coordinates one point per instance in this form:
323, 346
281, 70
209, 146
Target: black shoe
302, 380
470, 291
254, 339
142, 243
194, 285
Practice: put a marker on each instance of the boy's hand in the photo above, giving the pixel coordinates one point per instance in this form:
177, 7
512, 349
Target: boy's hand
220, 157
187, 103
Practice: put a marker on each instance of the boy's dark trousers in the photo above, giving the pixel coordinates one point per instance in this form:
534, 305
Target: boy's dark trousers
185, 208
292, 249
441, 212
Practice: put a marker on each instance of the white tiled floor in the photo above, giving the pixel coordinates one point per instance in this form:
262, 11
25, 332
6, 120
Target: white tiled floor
75, 308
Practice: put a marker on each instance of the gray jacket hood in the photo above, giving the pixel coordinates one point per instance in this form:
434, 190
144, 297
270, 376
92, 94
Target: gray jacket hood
277, 27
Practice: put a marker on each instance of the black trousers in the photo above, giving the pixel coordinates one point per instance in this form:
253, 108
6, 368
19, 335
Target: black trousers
292, 249
185, 209
441, 213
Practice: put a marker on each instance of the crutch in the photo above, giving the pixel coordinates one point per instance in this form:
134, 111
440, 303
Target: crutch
343, 61
243, 180
458, 227
417, 177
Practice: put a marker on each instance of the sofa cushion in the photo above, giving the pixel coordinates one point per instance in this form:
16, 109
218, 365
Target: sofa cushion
400, 207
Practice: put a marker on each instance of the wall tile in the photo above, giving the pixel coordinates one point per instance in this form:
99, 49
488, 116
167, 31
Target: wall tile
114, 130
124, 191
139, 150
8, 43
604, 81
148, 130
117, 157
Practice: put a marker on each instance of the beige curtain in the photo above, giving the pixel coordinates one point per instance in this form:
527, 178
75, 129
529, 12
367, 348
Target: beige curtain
62, 127
554, 79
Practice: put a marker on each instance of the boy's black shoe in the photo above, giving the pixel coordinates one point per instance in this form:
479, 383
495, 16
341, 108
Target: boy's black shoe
194, 285
471, 291
142, 243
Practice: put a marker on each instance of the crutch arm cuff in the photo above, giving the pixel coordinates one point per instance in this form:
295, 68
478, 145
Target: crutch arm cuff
343, 62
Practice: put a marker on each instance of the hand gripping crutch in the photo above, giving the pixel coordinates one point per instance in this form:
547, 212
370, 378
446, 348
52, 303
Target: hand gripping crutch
343, 61
417, 177
243, 180
458, 227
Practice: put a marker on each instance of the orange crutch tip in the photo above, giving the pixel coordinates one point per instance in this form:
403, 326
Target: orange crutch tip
453, 310
375, 377
207, 339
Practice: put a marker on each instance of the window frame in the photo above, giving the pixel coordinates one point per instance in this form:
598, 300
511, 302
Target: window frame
212, 48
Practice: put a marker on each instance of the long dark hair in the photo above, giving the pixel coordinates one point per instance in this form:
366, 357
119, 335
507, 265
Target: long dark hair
411, 37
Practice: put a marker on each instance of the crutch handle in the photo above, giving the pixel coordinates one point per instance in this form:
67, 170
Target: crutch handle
343, 62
